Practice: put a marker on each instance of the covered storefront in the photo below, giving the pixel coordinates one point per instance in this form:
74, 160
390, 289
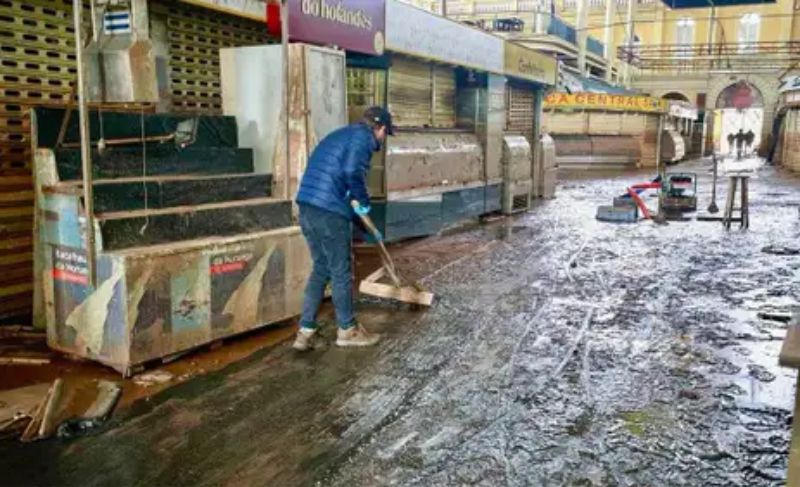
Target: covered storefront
678, 135
526, 174
603, 131
443, 84
787, 131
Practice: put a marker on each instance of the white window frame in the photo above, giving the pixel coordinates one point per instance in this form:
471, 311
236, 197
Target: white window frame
684, 36
749, 32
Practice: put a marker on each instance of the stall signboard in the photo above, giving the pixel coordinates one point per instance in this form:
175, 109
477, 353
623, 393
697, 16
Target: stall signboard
253, 9
353, 25
416, 32
682, 109
527, 64
600, 101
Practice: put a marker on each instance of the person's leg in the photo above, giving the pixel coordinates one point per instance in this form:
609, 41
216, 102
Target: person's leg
338, 247
310, 223
335, 242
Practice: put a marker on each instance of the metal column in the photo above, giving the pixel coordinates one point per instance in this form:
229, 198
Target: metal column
582, 34
86, 147
608, 37
629, 43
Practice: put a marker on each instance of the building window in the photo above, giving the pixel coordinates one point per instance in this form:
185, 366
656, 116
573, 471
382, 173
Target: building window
684, 36
749, 26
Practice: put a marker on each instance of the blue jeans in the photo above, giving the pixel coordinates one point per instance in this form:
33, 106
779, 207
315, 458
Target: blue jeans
329, 239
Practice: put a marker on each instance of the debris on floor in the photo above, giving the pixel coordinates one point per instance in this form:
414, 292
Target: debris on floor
153, 378
780, 250
17, 408
108, 394
37, 412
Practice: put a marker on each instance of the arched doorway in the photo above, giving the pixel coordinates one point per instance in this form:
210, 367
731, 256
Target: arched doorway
674, 95
739, 110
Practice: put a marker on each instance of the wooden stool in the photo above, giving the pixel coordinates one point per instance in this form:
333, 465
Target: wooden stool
744, 210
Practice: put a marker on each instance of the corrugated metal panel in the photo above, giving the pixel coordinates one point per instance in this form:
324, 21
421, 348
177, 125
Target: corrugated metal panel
444, 114
195, 37
38, 69
555, 122
605, 123
410, 92
520, 112
632, 123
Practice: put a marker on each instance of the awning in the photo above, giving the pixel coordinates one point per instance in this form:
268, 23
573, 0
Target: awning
676, 4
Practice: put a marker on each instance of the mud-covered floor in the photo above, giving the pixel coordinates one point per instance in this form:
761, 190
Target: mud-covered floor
561, 351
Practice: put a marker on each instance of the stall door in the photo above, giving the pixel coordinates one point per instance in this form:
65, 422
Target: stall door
444, 97
521, 113
410, 92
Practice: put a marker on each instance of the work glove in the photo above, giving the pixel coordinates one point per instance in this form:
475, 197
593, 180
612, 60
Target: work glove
362, 210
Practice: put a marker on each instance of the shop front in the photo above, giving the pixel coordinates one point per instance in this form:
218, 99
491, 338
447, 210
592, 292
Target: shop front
444, 87
603, 131
526, 174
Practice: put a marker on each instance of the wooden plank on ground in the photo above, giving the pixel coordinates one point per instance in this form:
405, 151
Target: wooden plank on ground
21, 401
404, 294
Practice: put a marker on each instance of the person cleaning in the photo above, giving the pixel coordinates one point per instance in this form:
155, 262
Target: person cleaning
335, 176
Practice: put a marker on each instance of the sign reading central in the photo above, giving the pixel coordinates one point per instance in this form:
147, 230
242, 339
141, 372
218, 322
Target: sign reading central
354, 25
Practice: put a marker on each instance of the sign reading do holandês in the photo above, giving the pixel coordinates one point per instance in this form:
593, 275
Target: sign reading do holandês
354, 25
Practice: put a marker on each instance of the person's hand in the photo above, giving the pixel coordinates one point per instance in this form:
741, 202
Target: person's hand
361, 210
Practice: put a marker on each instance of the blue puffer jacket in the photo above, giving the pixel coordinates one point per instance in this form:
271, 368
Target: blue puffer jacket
337, 170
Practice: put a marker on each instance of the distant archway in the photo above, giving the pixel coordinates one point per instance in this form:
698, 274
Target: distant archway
740, 95
674, 95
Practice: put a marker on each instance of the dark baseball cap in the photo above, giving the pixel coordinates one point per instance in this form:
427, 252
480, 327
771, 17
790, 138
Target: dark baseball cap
381, 116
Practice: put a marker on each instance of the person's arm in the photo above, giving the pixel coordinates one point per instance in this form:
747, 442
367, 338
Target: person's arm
356, 165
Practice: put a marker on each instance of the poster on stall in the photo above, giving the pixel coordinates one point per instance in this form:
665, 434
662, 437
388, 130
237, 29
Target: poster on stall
70, 280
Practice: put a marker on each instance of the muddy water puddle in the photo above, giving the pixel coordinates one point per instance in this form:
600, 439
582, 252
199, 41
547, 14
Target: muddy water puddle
561, 351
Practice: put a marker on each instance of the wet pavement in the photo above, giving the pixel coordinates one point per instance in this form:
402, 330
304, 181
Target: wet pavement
561, 351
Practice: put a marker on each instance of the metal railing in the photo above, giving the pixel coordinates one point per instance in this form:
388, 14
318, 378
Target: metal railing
601, 4
730, 56
529, 18
596, 47
559, 28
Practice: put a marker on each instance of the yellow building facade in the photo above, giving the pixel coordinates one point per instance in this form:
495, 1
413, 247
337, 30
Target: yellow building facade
702, 55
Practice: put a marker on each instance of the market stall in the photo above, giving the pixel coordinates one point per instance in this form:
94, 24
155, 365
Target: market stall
603, 131
525, 175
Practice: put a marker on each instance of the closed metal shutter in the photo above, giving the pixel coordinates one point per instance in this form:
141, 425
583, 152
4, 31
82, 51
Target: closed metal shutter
555, 122
605, 123
444, 83
195, 37
37, 68
410, 92
521, 113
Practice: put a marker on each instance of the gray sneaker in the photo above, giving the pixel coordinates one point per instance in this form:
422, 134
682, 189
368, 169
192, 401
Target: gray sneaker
356, 336
303, 340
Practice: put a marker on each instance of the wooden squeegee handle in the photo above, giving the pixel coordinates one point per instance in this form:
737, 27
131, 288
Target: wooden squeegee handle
388, 264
